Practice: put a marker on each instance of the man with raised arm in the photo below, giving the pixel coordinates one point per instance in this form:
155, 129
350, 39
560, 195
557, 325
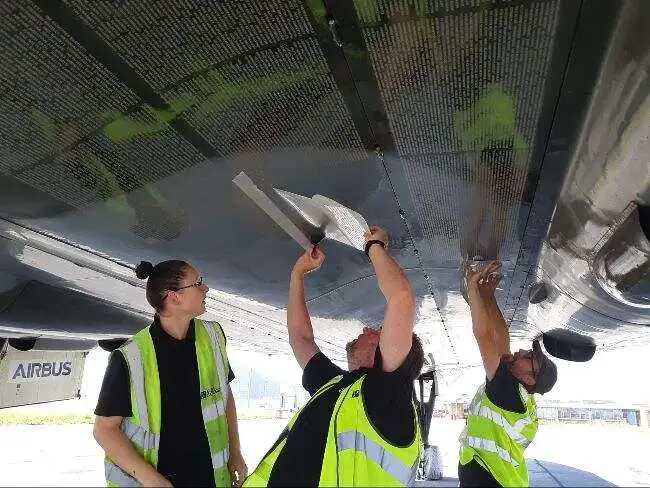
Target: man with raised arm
502, 418
360, 427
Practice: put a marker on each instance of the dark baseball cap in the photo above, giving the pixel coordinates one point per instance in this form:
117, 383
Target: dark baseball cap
547, 373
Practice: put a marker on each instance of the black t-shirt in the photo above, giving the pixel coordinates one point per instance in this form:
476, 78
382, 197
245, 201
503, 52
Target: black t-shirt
388, 401
472, 474
503, 391
184, 453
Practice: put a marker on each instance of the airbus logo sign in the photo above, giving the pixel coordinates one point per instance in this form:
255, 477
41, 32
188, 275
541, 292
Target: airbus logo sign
25, 371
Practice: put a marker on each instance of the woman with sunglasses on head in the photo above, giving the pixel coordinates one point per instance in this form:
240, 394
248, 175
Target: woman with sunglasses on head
166, 415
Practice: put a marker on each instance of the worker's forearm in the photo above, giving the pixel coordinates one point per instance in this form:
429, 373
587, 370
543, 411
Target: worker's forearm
487, 318
499, 327
233, 427
390, 276
298, 321
120, 450
481, 317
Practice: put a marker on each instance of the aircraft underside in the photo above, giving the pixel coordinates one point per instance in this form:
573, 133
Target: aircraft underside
516, 130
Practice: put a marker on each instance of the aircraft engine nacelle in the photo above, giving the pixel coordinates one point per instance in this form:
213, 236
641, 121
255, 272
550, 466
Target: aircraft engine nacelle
623, 258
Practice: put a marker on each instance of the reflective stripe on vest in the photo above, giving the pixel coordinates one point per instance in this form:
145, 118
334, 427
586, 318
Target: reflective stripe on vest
140, 437
513, 431
217, 409
497, 437
131, 353
213, 411
218, 360
261, 475
389, 463
355, 453
115, 474
490, 446
220, 459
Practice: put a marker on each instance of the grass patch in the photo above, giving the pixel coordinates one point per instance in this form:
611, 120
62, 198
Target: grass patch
25, 419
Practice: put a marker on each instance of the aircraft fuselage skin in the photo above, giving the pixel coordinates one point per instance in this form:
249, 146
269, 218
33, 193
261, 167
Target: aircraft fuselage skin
516, 132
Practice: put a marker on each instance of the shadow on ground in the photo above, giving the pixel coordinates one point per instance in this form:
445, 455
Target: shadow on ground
546, 473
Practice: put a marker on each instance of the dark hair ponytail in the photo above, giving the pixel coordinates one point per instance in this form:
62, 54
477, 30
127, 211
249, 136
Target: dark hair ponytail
164, 276
143, 270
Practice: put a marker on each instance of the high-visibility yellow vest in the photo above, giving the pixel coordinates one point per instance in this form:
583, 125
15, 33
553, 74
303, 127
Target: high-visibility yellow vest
143, 426
492, 118
355, 453
497, 438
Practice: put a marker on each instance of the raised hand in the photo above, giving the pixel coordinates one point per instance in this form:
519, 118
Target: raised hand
310, 260
376, 233
483, 282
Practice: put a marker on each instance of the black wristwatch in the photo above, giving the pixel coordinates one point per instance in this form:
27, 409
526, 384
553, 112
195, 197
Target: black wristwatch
369, 245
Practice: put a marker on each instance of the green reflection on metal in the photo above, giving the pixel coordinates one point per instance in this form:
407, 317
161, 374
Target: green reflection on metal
367, 11
492, 118
318, 12
125, 127
215, 95
372, 13
88, 169
83, 165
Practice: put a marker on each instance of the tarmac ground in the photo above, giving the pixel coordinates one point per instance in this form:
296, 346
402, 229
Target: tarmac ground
560, 455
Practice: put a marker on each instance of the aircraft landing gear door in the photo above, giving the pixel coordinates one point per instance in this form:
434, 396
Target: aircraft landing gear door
431, 463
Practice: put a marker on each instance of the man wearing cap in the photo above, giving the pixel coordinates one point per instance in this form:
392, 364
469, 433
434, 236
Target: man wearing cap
360, 427
502, 419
